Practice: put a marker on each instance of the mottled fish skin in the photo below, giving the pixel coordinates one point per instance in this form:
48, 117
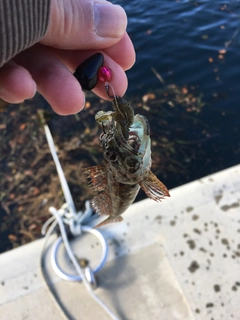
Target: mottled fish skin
114, 198
127, 161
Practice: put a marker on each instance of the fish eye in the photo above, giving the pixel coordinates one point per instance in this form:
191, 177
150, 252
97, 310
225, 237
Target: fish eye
111, 156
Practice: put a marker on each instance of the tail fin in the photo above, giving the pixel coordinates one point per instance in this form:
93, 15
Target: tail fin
109, 220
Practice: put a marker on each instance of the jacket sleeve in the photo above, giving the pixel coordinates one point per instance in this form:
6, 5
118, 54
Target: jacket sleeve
22, 23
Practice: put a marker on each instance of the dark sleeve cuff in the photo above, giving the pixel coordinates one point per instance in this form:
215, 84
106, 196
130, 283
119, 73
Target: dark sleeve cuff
22, 23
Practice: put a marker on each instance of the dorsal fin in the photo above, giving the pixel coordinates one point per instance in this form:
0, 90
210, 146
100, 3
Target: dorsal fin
153, 187
98, 179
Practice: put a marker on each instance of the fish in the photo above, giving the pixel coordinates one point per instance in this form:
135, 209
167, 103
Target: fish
127, 163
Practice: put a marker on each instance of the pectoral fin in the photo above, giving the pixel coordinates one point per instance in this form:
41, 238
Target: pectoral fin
97, 175
153, 187
109, 220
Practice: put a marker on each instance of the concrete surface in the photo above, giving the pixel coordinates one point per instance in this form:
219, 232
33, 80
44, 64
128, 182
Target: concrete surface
179, 259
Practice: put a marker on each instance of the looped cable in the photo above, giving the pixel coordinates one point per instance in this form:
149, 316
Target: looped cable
67, 215
62, 274
74, 220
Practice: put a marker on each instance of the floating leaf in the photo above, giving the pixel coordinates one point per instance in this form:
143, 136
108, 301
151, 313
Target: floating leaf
3, 126
22, 127
32, 227
87, 105
222, 51
148, 96
87, 131
12, 237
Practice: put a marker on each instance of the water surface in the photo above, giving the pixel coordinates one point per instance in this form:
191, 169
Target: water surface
193, 43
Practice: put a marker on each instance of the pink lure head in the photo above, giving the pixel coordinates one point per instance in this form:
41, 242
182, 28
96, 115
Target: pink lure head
104, 74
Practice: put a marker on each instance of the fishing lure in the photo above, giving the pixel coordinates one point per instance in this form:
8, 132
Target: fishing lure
126, 148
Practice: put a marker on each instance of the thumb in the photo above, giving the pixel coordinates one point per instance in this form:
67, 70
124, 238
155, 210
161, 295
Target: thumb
84, 24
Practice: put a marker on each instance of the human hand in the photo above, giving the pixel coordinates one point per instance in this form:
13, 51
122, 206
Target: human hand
77, 30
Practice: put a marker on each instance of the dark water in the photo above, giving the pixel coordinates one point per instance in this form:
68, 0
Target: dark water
182, 40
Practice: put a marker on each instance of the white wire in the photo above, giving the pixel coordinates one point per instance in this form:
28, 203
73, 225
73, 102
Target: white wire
46, 224
72, 216
43, 272
76, 265
65, 188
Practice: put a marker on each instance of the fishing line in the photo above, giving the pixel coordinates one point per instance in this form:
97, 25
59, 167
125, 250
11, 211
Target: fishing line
107, 85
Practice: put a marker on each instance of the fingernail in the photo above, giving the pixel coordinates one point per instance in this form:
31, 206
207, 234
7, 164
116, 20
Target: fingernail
110, 20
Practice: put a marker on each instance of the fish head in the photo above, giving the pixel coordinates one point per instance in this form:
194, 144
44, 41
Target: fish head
128, 159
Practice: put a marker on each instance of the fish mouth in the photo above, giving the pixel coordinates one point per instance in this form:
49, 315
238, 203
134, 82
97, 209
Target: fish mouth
134, 140
114, 142
139, 133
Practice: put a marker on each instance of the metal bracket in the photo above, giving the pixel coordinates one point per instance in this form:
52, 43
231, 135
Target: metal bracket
89, 273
